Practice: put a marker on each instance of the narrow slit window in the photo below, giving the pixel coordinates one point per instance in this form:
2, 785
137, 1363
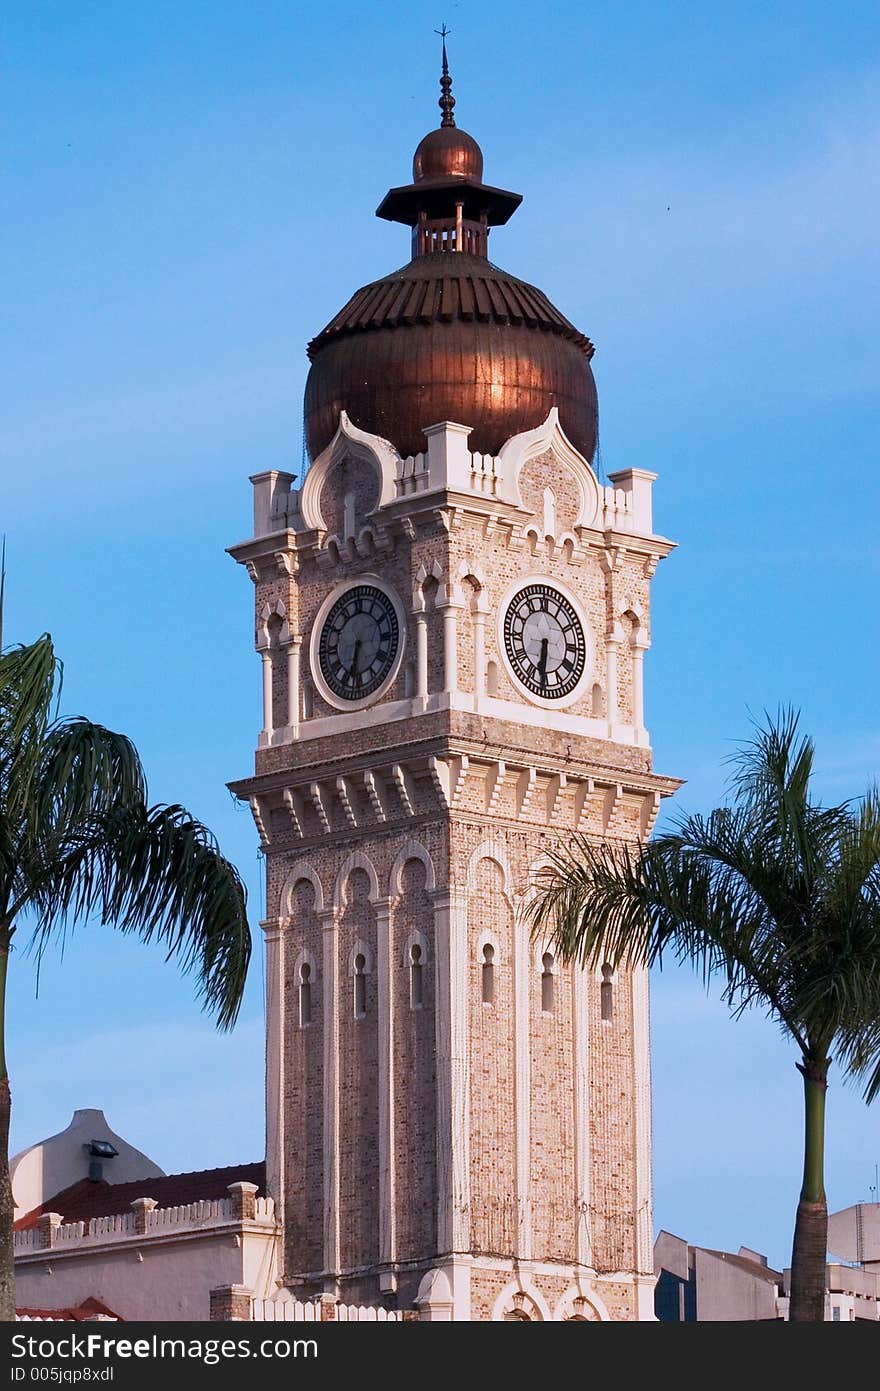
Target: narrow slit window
606, 993
360, 986
548, 984
488, 972
305, 995
415, 976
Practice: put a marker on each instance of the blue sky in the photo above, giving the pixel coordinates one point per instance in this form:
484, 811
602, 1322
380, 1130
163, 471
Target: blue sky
188, 197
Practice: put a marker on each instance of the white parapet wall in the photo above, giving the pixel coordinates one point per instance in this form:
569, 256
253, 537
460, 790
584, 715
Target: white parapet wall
152, 1263
286, 1308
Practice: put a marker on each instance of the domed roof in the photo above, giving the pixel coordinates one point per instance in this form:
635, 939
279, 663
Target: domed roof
448, 153
450, 337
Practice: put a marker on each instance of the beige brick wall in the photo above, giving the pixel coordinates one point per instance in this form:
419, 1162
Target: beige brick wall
492, 1068
547, 472
415, 1099
304, 1096
486, 1286
612, 1116
552, 1138
619, 1298
348, 476
358, 1073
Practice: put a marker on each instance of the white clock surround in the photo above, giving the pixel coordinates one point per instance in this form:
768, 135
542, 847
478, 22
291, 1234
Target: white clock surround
327, 694
577, 692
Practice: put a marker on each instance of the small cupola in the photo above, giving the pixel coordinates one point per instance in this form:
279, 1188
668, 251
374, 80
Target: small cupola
447, 205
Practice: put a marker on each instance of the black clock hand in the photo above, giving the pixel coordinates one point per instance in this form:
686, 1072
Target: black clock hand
354, 658
542, 660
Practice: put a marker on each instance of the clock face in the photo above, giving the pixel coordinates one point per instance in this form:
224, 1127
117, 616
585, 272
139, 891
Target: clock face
358, 642
545, 643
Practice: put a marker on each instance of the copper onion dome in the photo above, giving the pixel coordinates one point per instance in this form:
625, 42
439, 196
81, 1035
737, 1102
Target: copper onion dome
448, 153
450, 336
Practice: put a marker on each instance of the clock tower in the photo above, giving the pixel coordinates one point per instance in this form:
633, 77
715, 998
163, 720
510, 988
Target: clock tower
452, 613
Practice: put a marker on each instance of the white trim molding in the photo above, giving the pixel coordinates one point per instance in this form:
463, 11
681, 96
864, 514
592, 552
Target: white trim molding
359, 948
349, 442
522, 1294
415, 938
493, 849
356, 860
301, 870
411, 850
488, 938
571, 1305
531, 444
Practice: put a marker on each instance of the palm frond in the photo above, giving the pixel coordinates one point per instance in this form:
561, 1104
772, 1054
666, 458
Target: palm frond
27, 680
684, 894
84, 769
772, 777
157, 873
2, 589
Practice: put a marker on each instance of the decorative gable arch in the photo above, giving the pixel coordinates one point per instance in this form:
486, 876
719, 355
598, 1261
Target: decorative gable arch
349, 442
520, 449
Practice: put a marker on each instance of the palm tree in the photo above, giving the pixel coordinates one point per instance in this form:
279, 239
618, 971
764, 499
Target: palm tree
78, 840
778, 897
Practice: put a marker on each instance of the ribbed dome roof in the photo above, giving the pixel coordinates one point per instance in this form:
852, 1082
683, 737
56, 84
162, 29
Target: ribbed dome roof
446, 288
450, 337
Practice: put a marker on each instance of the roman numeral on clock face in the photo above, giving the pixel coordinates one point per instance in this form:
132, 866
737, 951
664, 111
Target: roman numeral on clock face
358, 642
544, 641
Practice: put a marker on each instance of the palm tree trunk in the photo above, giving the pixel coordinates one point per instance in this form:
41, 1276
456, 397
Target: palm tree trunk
811, 1224
7, 1260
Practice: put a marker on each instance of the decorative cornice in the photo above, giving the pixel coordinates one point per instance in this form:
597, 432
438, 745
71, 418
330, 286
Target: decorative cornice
459, 782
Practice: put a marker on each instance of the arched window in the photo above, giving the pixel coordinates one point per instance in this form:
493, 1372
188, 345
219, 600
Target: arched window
492, 679
606, 992
548, 984
488, 974
596, 701
415, 976
307, 701
305, 995
360, 986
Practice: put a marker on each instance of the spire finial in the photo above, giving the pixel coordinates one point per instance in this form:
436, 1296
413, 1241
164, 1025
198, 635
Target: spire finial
447, 100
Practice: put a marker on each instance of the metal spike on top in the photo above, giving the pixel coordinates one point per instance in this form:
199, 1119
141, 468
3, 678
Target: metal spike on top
447, 100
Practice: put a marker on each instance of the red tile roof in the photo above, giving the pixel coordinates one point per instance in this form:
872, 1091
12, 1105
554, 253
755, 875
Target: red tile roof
87, 1199
89, 1309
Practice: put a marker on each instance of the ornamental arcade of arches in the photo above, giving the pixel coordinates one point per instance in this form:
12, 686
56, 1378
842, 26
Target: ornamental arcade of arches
452, 646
